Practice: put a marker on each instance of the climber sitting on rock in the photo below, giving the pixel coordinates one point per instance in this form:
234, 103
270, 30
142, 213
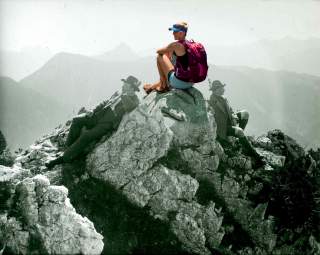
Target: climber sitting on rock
105, 118
180, 64
228, 122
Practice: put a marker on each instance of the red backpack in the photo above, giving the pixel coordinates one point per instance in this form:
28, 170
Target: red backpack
197, 63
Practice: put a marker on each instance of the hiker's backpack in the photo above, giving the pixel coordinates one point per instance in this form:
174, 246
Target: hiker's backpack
197, 63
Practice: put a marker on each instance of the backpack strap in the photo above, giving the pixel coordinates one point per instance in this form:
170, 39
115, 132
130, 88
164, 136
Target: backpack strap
185, 44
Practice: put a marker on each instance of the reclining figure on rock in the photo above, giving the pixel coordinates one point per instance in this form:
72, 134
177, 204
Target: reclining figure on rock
230, 123
104, 119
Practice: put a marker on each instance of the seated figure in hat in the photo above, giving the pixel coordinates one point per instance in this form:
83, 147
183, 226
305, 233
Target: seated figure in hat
228, 122
166, 60
104, 119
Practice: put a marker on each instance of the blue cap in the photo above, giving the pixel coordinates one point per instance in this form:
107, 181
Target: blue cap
178, 28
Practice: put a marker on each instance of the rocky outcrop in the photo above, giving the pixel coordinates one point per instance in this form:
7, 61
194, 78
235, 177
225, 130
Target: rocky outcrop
135, 161
231, 186
40, 219
3, 143
160, 183
6, 157
283, 195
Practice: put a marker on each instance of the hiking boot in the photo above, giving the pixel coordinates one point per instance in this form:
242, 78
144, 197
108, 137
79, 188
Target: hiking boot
52, 163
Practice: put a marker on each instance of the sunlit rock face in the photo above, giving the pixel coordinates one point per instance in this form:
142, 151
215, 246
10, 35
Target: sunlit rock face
41, 218
175, 122
160, 183
137, 160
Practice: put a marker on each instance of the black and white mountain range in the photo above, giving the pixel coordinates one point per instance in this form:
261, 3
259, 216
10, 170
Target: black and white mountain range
59, 88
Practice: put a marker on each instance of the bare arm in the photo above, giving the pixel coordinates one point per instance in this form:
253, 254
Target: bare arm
168, 49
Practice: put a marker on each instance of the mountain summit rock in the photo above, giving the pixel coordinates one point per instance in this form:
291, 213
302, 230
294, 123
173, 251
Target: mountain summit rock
159, 183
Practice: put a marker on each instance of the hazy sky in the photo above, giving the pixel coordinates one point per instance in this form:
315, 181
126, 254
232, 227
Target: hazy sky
95, 26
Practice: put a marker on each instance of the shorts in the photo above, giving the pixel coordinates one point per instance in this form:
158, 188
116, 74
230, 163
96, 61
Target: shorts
176, 83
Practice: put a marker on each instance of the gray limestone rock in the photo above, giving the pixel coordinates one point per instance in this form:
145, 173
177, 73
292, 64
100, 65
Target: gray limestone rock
185, 113
46, 215
189, 233
240, 161
9, 177
187, 116
139, 142
162, 189
211, 219
263, 142
130, 161
14, 236
42, 151
156, 161
272, 159
251, 219
12, 175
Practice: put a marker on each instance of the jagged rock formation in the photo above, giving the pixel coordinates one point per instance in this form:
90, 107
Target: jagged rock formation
3, 143
41, 219
161, 184
6, 157
133, 161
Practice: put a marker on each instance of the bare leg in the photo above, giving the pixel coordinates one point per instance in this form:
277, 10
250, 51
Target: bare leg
164, 67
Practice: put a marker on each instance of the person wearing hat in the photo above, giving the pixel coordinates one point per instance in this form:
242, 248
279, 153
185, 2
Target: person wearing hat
167, 57
228, 122
103, 120
130, 84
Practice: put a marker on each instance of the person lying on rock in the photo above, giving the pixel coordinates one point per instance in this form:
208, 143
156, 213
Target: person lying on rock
230, 123
104, 119
180, 64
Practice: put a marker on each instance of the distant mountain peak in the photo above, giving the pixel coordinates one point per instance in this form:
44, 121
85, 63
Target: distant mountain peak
64, 54
6, 79
62, 58
121, 52
123, 46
